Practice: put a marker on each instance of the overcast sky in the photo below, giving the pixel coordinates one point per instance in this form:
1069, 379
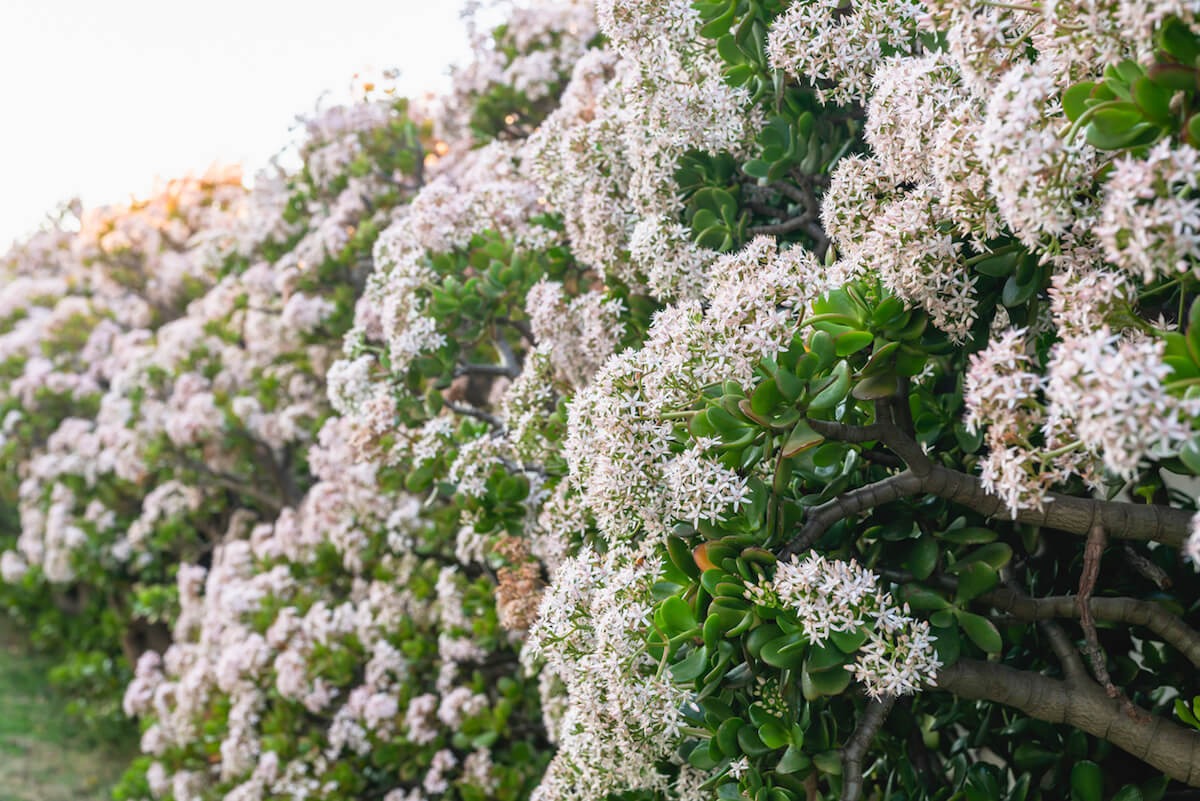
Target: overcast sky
101, 96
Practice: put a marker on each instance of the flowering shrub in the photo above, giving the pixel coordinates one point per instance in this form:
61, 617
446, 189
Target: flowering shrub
702, 400
79, 303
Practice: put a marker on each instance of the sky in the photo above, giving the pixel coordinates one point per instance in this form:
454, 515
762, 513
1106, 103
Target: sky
100, 97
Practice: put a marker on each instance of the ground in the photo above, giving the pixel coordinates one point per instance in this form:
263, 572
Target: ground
43, 756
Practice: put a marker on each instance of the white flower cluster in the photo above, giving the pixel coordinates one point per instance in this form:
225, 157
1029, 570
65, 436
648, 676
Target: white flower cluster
223, 647
837, 48
1101, 404
576, 157
534, 52
960, 175
1035, 173
911, 98
1085, 295
1150, 217
1111, 390
829, 595
171, 366
877, 225
1002, 394
208, 368
392, 308
620, 445
971, 144
623, 713
480, 191
77, 308
527, 401
606, 157
578, 334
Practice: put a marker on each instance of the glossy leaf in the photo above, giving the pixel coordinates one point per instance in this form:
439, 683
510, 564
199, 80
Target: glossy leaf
852, 342
692, 667
677, 616
801, 438
793, 761
1087, 782
981, 631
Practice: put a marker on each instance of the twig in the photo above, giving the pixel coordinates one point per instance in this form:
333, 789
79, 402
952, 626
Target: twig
1093, 552
239, 485
1064, 649
883, 458
766, 209
792, 192
801, 193
514, 467
486, 369
1060, 643
522, 328
843, 432
478, 414
818, 519
899, 435
856, 747
801, 223
1147, 569
511, 360
891, 420
279, 472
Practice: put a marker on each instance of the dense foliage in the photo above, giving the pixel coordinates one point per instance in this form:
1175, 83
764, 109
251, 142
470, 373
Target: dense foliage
730, 399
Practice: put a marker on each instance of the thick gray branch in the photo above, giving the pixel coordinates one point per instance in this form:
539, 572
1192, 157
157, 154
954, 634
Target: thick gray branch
1168, 747
843, 432
1168, 627
1062, 512
1123, 521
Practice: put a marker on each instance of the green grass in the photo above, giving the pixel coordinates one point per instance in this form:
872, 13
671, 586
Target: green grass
43, 754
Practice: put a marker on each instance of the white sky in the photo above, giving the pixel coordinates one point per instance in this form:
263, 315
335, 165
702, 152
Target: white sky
99, 97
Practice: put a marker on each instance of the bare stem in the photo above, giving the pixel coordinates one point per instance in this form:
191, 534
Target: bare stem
1064, 650
511, 360
478, 414
843, 432
521, 328
1060, 643
801, 223
486, 369
1093, 552
856, 747
818, 519
239, 485
1145, 568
